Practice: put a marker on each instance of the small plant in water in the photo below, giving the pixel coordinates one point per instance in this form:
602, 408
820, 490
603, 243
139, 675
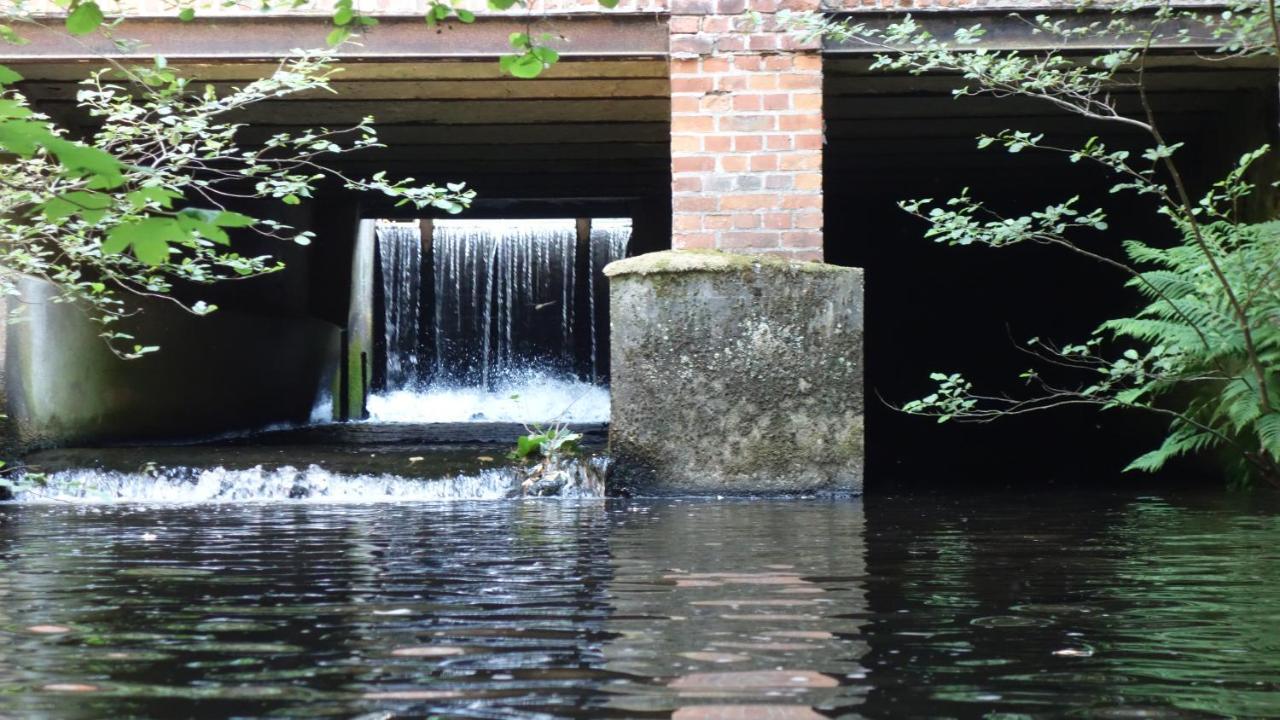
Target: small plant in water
548, 453
551, 455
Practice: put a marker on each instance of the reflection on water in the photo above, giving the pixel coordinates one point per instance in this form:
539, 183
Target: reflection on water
1091, 606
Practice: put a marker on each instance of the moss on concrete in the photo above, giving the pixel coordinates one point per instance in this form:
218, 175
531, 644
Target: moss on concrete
732, 376
687, 261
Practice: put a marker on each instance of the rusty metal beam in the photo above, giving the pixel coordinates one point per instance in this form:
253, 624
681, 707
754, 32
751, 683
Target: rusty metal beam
395, 38
576, 36
1007, 30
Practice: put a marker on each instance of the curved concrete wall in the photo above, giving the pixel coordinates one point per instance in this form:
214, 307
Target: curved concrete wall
226, 372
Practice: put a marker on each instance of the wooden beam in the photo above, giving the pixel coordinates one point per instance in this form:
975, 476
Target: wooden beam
454, 112
439, 90
354, 70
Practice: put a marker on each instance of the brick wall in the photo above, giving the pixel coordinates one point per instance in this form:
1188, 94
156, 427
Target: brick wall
746, 130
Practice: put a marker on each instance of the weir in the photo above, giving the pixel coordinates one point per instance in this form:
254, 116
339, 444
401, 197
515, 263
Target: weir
493, 320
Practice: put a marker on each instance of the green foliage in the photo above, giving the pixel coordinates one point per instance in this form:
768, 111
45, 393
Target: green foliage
141, 205
550, 457
1204, 349
84, 18
552, 443
1204, 352
122, 213
528, 59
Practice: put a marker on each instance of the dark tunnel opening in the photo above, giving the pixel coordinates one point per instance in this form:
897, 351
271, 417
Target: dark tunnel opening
936, 308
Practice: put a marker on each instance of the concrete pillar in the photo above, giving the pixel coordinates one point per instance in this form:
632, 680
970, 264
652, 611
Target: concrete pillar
746, 130
735, 375
353, 381
8, 443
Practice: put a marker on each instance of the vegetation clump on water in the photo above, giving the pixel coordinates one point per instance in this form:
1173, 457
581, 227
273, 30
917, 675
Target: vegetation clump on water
551, 463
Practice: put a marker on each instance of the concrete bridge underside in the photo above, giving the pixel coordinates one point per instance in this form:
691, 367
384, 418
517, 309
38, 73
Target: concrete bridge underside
596, 131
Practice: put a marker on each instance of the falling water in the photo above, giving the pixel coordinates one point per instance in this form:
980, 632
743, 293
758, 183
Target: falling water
609, 238
503, 321
400, 247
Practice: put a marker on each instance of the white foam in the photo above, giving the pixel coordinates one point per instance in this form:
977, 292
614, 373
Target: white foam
312, 484
533, 398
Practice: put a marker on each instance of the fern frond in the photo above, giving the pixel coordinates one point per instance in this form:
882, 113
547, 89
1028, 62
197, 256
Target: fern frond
1161, 284
1241, 403
1183, 440
1268, 429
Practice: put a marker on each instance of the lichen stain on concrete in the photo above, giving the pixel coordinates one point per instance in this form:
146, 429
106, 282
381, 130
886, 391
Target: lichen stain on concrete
736, 374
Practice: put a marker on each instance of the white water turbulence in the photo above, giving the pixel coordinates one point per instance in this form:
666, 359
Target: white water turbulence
506, 323
522, 397
311, 484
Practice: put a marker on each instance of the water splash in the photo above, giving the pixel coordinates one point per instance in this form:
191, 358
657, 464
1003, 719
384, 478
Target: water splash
523, 397
499, 289
312, 484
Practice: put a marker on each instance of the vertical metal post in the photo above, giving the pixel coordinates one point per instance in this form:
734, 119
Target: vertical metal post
427, 301
582, 299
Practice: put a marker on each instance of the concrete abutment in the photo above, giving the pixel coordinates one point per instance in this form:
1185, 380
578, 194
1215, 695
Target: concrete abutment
736, 375
715, 133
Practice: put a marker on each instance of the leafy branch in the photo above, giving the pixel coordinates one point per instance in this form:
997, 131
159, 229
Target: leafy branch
145, 203
1204, 350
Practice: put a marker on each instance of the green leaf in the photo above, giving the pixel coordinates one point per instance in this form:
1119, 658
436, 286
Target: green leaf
344, 15
233, 220
7, 76
11, 36
139, 198
85, 160
187, 14
466, 16
527, 445
149, 238
193, 224
89, 205
545, 54
12, 108
525, 66
611, 4
502, 4
84, 18
22, 137
337, 36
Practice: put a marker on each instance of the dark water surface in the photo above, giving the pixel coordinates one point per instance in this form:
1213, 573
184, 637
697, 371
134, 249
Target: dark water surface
1002, 607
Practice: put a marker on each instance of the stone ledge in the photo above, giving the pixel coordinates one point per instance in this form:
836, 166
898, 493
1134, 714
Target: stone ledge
715, 261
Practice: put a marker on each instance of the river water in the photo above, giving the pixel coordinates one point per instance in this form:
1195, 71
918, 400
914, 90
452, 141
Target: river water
1074, 604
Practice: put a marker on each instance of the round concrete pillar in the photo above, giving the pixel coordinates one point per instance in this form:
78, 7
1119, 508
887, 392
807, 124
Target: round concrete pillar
735, 375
